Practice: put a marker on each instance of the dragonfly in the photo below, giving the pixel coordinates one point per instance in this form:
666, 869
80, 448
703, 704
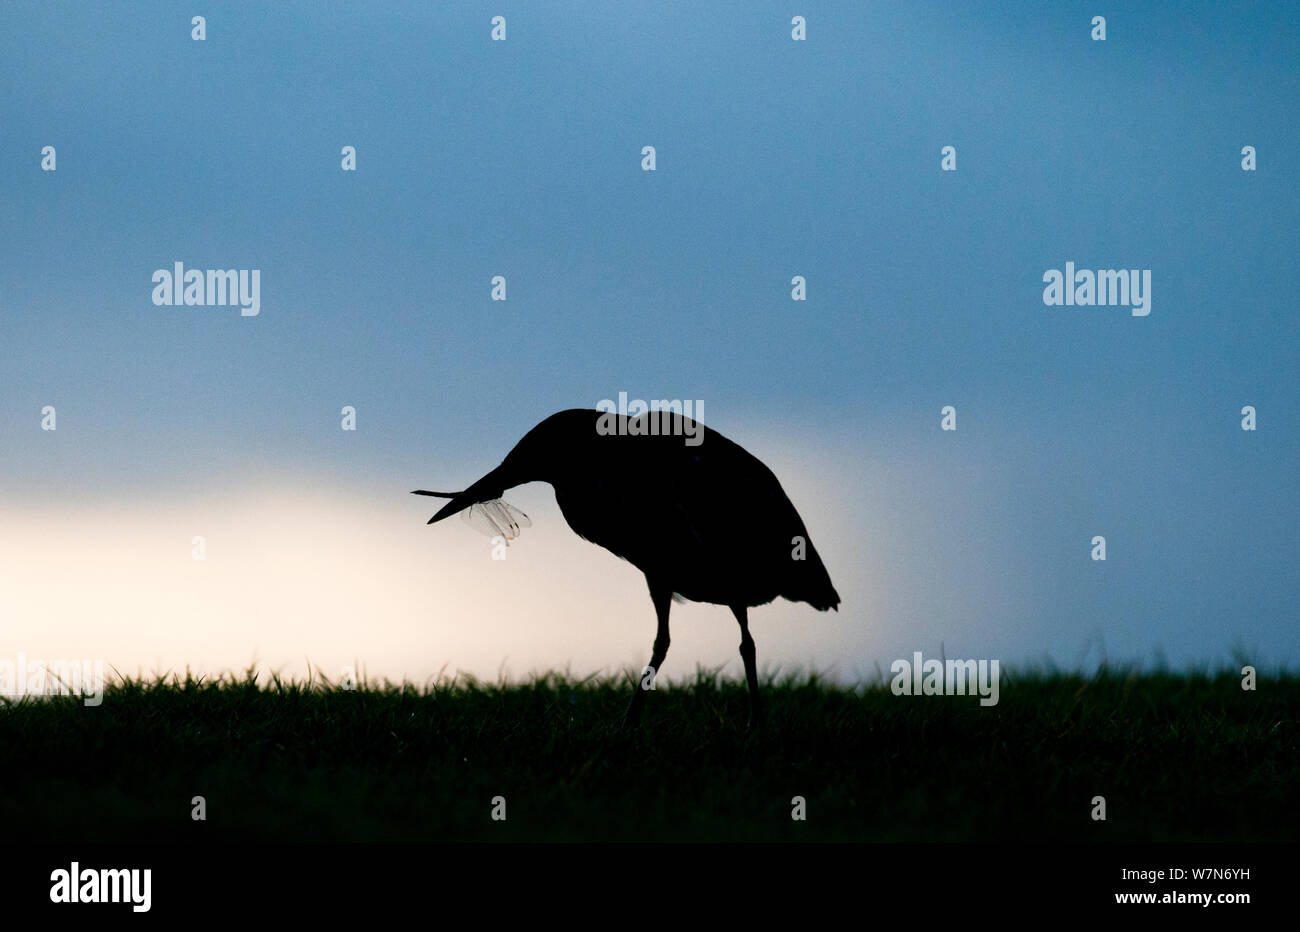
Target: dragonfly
493, 518
496, 518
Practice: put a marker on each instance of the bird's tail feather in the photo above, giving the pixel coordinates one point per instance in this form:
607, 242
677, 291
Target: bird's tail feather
814, 586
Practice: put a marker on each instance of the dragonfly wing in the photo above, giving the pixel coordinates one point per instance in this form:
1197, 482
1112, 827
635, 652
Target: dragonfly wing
496, 518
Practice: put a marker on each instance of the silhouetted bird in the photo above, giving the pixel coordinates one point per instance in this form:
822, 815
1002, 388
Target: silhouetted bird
706, 522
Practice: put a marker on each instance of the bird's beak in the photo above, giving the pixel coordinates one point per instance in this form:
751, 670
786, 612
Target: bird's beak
485, 490
459, 503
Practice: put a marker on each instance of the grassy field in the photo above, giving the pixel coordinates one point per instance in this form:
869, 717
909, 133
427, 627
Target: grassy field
1178, 758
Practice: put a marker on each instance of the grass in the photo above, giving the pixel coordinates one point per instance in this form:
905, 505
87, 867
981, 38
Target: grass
1178, 758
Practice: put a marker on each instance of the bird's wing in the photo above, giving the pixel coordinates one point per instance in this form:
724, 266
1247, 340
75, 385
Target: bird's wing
496, 518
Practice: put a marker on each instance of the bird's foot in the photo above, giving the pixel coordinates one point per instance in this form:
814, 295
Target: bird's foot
632, 718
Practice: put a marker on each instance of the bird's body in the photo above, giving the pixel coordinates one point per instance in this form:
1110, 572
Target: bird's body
710, 520
704, 520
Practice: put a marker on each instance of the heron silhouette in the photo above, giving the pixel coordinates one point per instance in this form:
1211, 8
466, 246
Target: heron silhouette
705, 521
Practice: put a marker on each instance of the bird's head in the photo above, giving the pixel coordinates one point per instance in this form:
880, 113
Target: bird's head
545, 453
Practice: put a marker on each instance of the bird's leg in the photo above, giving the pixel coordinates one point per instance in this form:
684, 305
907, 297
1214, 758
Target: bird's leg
663, 600
751, 669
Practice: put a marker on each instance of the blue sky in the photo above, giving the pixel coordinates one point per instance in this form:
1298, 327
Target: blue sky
775, 158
